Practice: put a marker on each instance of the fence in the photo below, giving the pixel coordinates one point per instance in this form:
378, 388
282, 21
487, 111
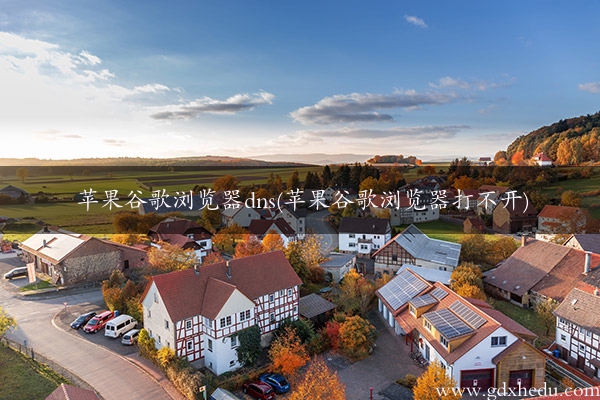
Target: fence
66, 373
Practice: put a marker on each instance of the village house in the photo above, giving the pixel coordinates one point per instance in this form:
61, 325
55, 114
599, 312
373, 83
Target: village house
70, 258
182, 233
489, 196
542, 160
261, 227
414, 247
476, 346
403, 210
241, 216
337, 265
560, 219
586, 242
538, 271
199, 312
473, 225
295, 218
512, 216
14, 192
363, 236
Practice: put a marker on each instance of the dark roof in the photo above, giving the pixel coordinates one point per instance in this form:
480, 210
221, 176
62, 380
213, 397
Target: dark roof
12, 189
153, 205
68, 392
476, 221
517, 207
184, 293
179, 226
588, 242
378, 226
263, 226
581, 308
312, 305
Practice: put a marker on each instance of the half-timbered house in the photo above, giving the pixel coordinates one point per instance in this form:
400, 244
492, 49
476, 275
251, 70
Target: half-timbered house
199, 312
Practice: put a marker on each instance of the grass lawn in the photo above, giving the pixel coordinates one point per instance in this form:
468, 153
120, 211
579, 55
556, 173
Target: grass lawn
527, 318
22, 378
438, 229
37, 285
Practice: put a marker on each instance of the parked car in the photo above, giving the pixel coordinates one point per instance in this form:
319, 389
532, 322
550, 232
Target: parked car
130, 337
16, 273
119, 325
276, 381
82, 320
98, 322
259, 390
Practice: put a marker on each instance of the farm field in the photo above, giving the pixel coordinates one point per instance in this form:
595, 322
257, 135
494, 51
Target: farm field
579, 185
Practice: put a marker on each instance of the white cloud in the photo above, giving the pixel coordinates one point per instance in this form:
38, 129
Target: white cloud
592, 87
207, 105
362, 107
481, 85
411, 19
115, 142
151, 88
422, 132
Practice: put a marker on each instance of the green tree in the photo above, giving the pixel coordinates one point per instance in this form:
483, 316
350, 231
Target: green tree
293, 253
22, 174
249, 347
6, 322
293, 181
210, 219
545, 311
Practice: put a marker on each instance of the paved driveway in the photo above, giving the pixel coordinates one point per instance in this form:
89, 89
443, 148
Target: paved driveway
390, 361
317, 223
112, 375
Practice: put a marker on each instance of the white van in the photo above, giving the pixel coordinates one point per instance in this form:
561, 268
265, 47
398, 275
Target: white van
119, 325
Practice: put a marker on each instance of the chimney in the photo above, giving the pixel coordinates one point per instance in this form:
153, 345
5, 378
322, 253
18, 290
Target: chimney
523, 241
197, 269
596, 292
46, 230
588, 260
228, 269
45, 243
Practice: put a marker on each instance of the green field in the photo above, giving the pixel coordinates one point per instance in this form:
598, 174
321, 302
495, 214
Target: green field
438, 229
579, 185
22, 378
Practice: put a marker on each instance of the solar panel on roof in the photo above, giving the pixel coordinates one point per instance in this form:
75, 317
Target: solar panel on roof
401, 289
439, 293
468, 315
423, 301
448, 324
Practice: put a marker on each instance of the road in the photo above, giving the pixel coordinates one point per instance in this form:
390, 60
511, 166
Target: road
108, 373
316, 222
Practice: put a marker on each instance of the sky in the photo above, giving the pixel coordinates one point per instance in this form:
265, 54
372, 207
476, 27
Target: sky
434, 79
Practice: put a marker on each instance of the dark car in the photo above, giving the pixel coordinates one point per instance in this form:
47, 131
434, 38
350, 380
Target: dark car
259, 390
16, 272
276, 381
82, 320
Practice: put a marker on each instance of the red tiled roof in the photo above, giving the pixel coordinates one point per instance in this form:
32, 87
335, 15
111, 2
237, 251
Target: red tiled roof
216, 295
559, 212
177, 226
185, 292
476, 221
68, 392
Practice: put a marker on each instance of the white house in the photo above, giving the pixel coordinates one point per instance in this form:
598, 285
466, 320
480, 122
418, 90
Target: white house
414, 247
363, 235
241, 216
182, 233
474, 347
261, 227
198, 312
295, 218
542, 160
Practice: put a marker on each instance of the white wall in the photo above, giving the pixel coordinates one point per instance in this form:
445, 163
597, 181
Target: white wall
155, 324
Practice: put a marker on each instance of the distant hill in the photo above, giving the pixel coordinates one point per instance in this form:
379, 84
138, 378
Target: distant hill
208, 161
568, 141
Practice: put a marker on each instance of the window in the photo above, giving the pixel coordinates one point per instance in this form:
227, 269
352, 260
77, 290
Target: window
158, 338
351, 244
231, 363
427, 324
562, 321
582, 347
351, 235
498, 341
207, 323
281, 292
242, 316
168, 344
233, 342
189, 345
155, 297
272, 317
412, 310
563, 337
226, 321
149, 313
166, 324
289, 292
295, 309
394, 257
209, 345
271, 298
443, 341
188, 324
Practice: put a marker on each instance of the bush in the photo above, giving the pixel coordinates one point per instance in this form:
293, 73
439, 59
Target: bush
165, 357
316, 274
409, 381
147, 345
318, 344
304, 328
186, 379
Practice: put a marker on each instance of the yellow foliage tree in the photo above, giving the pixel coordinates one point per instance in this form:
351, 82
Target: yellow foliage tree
171, 258
472, 291
226, 238
128, 239
430, 385
287, 353
273, 241
357, 335
319, 383
249, 247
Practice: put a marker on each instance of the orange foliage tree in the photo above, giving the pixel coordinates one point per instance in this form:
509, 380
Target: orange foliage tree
212, 258
287, 352
273, 241
171, 258
357, 336
432, 380
249, 247
319, 383
226, 239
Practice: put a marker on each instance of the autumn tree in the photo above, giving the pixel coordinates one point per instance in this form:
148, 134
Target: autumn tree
500, 158
311, 249
171, 258
432, 381
22, 174
293, 253
227, 238
357, 336
466, 274
210, 219
464, 182
128, 239
250, 246
6, 322
227, 182
319, 383
273, 241
570, 198
500, 249
287, 353
293, 181
545, 310
355, 295
213, 257
518, 158
472, 291
474, 248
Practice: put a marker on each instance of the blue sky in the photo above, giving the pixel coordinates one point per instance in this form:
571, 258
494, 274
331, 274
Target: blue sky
435, 79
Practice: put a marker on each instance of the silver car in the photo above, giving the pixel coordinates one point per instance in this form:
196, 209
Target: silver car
130, 337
